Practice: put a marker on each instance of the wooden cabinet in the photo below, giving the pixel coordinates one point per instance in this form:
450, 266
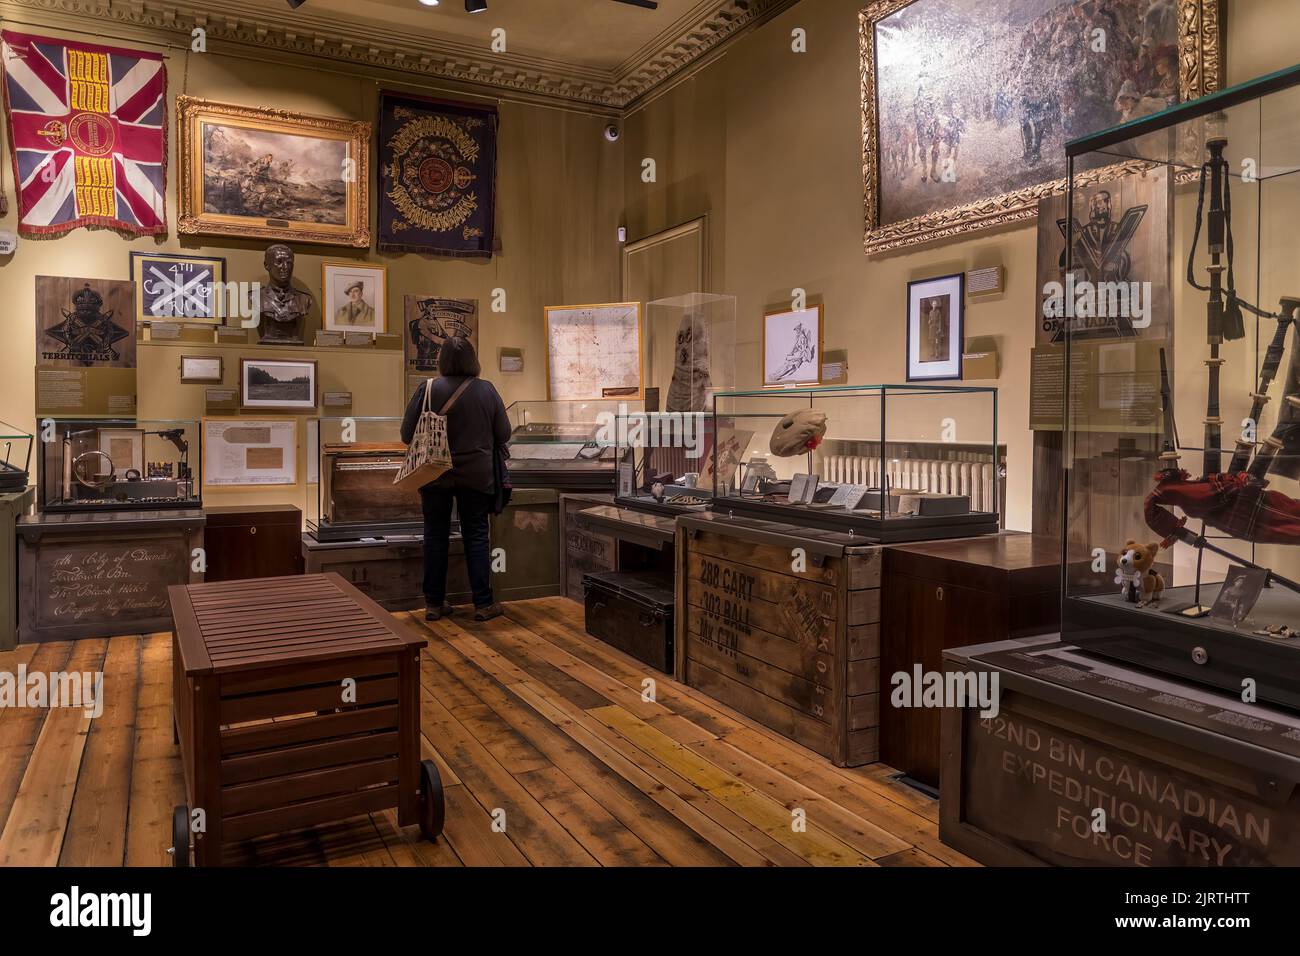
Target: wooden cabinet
943, 594
12, 507
253, 541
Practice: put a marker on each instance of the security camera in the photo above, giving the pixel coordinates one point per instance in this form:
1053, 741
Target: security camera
612, 133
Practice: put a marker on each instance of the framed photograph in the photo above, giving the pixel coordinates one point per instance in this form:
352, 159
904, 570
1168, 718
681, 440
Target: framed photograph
202, 369
249, 452
935, 326
966, 104
272, 174
124, 447
1241, 589
593, 351
178, 288
356, 297
277, 385
792, 347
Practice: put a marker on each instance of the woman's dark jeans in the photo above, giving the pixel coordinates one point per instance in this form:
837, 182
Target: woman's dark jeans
472, 507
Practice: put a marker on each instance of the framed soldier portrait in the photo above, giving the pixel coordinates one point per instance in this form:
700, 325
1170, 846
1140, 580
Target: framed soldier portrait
355, 297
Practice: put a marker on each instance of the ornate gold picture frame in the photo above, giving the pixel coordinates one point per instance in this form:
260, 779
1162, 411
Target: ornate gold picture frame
928, 137
271, 174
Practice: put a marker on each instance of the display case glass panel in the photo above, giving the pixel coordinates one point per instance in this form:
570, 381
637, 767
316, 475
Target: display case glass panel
118, 464
1182, 432
15, 458
564, 444
354, 496
690, 355
888, 462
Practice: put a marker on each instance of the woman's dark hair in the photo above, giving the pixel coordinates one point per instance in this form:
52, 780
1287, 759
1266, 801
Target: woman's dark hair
457, 357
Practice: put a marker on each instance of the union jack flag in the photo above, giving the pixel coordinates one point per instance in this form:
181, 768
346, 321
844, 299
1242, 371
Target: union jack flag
88, 131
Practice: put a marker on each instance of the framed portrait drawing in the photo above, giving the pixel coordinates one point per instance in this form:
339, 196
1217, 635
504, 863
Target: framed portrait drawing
249, 452
202, 369
792, 347
356, 297
277, 385
175, 288
272, 174
967, 105
935, 328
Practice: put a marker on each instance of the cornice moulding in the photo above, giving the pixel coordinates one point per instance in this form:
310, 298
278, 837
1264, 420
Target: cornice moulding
414, 57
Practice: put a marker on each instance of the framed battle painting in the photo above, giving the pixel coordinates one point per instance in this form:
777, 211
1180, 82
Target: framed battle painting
967, 105
271, 174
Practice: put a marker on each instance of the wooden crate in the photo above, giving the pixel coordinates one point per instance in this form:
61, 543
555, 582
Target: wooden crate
796, 648
582, 548
271, 737
1185, 775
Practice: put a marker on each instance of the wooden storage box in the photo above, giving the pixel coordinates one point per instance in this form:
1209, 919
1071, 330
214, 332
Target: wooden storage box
633, 611
1185, 775
783, 624
582, 548
100, 574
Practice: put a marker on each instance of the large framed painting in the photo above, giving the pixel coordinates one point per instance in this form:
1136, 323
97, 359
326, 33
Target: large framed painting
967, 105
271, 174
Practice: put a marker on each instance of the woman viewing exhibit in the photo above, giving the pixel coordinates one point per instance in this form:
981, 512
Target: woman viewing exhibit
476, 428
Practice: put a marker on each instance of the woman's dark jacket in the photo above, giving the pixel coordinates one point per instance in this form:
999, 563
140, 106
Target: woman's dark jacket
476, 424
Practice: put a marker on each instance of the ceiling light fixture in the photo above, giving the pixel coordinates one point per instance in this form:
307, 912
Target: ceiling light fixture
476, 6
295, 4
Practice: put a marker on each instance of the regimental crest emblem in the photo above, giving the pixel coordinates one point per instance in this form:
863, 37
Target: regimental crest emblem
438, 177
88, 333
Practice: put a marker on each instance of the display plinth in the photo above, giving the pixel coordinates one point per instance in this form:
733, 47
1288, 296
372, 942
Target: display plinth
1185, 775
388, 571
104, 573
782, 624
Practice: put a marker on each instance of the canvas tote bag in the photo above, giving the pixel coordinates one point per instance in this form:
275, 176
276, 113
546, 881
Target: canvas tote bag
428, 457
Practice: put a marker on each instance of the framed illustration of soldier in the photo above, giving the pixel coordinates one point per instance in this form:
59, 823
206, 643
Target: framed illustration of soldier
429, 321
935, 327
356, 297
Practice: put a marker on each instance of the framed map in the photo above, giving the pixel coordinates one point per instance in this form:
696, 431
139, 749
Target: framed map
593, 351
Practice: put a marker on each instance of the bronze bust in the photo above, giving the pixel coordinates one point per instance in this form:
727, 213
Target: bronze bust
282, 307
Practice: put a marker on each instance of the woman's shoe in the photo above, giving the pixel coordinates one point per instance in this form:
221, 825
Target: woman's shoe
437, 614
487, 613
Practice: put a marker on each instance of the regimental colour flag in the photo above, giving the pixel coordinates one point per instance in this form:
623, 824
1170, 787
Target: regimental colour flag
88, 131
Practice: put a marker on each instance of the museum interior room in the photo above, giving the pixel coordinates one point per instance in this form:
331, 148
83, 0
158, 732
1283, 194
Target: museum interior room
857, 508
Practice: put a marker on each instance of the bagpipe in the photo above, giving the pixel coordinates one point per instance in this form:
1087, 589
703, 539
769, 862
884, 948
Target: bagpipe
1238, 501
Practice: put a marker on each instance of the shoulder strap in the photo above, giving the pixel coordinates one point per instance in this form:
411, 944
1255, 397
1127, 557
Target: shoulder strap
455, 395
428, 390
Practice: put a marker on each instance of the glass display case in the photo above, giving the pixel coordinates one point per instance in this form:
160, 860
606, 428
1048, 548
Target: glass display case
564, 444
15, 458
888, 462
353, 496
1182, 430
690, 355
118, 464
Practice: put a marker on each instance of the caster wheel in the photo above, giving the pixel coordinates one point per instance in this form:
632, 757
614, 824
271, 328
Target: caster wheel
433, 807
181, 836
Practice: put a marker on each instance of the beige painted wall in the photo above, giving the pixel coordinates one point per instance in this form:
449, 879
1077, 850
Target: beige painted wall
767, 142
559, 195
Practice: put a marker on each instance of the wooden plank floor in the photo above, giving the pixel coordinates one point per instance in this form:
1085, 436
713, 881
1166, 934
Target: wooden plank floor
553, 748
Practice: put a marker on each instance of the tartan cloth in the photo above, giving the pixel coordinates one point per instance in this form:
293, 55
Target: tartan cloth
88, 133
1236, 504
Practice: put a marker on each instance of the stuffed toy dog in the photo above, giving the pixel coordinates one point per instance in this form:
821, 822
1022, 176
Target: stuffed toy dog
1140, 583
